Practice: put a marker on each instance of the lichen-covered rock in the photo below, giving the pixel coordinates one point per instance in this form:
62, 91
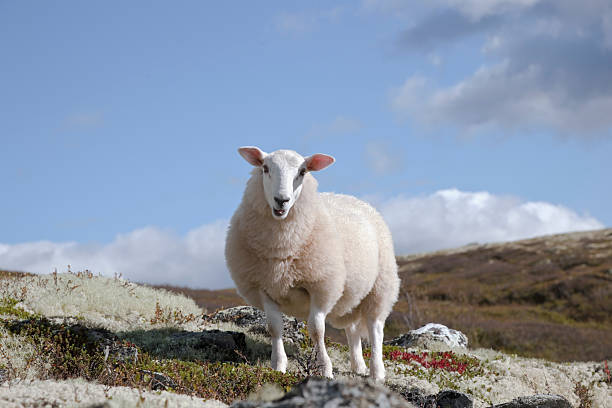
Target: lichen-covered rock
451, 399
537, 401
94, 339
318, 392
215, 345
159, 381
443, 399
432, 335
255, 320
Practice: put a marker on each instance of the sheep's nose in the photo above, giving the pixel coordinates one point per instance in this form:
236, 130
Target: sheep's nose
281, 201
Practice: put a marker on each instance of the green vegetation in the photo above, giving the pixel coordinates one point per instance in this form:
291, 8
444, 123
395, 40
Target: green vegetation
75, 351
548, 297
8, 306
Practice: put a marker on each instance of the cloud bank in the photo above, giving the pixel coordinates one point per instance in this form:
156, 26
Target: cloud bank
149, 255
444, 219
452, 218
548, 67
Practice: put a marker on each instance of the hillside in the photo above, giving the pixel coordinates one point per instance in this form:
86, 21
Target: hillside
548, 297
76, 339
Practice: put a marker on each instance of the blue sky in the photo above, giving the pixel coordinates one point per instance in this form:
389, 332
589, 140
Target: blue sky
461, 121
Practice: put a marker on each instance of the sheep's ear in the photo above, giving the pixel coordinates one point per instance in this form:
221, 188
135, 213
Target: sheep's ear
253, 155
318, 161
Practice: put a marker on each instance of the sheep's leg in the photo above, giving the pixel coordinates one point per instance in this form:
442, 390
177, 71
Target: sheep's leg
353, 337
375, 331
275, 327
316, 327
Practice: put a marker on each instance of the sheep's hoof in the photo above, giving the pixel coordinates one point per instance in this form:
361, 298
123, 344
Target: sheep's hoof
360, 369
377, 376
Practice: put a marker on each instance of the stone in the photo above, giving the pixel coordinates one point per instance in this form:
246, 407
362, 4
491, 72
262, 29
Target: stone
443, 399
120, 352
218, 345
537, 401
3, 375
432, 335
255, 320
93, 339
159, 381
317, 392
452, 399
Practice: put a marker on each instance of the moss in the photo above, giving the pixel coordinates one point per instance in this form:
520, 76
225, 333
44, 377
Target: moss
73, 352
8, 306
447, 370
222, 381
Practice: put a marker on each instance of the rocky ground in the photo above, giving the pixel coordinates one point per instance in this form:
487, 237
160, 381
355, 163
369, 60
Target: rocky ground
548, 297
82, 340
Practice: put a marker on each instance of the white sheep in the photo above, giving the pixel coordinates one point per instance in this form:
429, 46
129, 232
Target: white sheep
311, 255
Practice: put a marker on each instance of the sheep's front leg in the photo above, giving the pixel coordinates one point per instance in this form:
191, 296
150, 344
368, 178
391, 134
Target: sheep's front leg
316, 327
275, 327
353, 337
375, 332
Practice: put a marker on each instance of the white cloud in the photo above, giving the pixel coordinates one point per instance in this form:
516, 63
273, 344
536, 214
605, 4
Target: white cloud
445, 219
497, 98
452, 218
148, 255
477, 9
548, 67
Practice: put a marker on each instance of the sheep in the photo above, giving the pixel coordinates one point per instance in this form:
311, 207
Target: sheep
311, 255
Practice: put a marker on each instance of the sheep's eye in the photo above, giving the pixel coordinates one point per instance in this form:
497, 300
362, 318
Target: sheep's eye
302, 172
266, 169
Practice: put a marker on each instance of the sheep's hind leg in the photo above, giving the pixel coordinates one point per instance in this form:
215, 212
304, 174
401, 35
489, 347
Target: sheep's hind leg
353, 337
275, 327
375, 332
316, 327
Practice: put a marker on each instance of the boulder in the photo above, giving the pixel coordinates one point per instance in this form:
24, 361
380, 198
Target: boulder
218, 345
318, 392
443, 399
432, 335
537, 401
255, 320
94, 339
159, 381
451, 399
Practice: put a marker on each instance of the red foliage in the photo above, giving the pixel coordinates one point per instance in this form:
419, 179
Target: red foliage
443, 361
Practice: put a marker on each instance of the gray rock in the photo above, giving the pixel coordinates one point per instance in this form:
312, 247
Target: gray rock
255, 320
94, 339
159, 381
317, 392
452, 399
537, 401
432, 335
3, 375
218, 345
120, 352
443, 399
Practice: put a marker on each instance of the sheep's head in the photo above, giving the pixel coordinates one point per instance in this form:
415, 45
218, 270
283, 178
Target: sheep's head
283, 172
